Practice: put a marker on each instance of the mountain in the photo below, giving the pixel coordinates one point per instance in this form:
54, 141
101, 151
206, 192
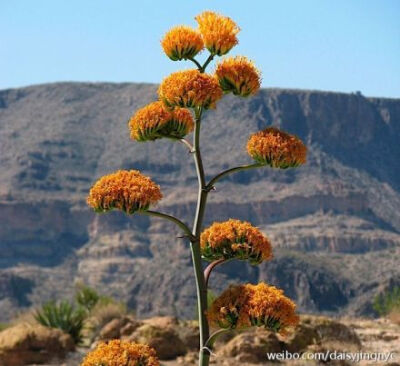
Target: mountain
334, 223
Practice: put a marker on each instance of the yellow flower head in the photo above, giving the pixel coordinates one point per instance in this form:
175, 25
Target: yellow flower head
181, 43
242, 306
121, 353
239, 76
128, 191
219, 32
276, 148
155, 121
235, 239
190, 88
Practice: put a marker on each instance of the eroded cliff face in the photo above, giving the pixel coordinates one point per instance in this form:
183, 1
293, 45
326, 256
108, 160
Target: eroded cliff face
334, 223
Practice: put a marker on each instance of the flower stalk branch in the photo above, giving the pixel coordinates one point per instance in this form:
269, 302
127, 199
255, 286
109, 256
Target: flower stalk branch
173, 219
211, 266
209, 59
223, 174
213, 337
197, 63
187, 144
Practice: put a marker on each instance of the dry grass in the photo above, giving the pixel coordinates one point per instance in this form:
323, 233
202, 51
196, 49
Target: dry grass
100, 315
26, 317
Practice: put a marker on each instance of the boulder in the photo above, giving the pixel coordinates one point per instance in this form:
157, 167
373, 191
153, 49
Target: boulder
317, 330
332, 330
165, 341
189, 333
118, 327
162, 321
303, 336
251, 347
26, 344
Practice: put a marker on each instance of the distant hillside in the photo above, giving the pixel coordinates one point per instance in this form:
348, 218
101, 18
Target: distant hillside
334, 223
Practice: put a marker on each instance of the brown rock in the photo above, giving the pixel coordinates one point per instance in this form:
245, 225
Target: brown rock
190, 358
165, 341
331, 330
162, 321
251, 347
302, 337
26, 344
111, 330
189, 332
118, 327
129, 328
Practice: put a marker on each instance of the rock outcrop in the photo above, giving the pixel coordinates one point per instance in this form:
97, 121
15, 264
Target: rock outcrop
334, 223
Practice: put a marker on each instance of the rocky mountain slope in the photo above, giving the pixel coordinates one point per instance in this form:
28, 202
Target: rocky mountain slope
334, 223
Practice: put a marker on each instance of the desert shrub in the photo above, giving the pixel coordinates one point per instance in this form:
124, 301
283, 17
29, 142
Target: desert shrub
88, 298
105, 310
3, 326
387, 302
64, 316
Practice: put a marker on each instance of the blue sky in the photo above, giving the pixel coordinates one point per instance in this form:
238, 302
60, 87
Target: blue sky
340, 45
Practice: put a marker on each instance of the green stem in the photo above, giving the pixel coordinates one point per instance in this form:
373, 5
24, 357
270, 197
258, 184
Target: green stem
173, 219
201, 286
204, 356
195, 62
182, 141
210, 341
203, 68
210, 185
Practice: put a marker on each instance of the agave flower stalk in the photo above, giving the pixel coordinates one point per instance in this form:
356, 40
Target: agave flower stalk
184, 97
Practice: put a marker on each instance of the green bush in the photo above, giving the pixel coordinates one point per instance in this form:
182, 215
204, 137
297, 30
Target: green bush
385, 303
88, 298
64, 316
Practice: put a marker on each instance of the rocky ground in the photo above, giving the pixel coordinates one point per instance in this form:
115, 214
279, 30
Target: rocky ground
176, 341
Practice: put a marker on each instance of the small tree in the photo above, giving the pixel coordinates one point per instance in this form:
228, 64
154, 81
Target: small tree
184, 97
86, 297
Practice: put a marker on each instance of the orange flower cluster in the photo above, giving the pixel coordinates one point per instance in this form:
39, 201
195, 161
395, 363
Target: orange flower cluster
219, 32
190, 88
181, 43
235, 239
242, 306
277, 148
121, 353
128, 191
155, 121
239, 76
